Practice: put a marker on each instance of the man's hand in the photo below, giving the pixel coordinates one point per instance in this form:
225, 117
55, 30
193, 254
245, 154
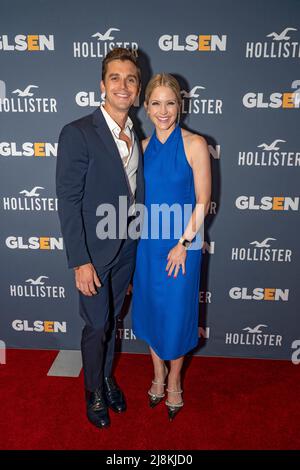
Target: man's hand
86, 278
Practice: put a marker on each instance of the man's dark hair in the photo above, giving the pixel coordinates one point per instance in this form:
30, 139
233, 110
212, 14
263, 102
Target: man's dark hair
120, 53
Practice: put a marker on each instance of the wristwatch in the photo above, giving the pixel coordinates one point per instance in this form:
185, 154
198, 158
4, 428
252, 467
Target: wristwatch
185, 243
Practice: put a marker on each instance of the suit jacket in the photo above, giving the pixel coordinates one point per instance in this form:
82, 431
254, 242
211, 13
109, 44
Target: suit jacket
90, 172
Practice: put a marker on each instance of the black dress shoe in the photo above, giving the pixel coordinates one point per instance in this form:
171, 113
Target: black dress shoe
114, 395
97, 411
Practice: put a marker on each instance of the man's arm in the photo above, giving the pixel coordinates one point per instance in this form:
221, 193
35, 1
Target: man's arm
71, 169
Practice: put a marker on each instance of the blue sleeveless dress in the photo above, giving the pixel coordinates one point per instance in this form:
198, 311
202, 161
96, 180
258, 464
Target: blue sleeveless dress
164, 309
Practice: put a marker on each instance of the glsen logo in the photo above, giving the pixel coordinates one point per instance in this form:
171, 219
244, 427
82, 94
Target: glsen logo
269, 155
193, 42
88, 98
268, 203
215, 151
282, 99
101, 44
36, 288
280, 44
296, 354
203, 332
25, 101
29, 42
28, 149
30, 201
34, 243
192, 104
259, 293
40, 326
262, 251
2, 90
254, 336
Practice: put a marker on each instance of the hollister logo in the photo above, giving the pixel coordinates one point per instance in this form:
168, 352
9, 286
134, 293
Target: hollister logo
26, 101
101, 44
280, 44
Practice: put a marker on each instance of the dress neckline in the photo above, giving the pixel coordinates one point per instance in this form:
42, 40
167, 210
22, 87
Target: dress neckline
169, 137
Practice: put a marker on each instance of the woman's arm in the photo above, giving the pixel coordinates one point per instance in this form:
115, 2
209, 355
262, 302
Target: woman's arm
199, 159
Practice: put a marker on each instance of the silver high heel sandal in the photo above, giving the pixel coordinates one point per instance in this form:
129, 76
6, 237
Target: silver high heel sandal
173, 408
156, 398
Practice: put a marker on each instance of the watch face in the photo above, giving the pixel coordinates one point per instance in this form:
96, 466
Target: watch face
186, 243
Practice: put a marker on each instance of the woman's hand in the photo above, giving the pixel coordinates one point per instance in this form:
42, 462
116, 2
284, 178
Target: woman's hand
176, 259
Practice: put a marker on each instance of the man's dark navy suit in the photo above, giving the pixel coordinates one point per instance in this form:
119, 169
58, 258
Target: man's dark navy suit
90, 172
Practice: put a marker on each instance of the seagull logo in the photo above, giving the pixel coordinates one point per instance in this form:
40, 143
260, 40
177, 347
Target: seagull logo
25, 92
31, 193
281, 36
263, 244
192, 93
106, 36
38, 281
272, 146
256, 329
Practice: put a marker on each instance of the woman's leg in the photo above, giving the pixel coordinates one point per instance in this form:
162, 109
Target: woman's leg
160, 372
174, 380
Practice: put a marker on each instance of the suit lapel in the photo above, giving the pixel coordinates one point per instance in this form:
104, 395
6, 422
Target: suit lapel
106, 137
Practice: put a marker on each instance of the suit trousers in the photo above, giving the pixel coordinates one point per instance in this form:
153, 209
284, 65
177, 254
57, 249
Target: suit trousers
100, 312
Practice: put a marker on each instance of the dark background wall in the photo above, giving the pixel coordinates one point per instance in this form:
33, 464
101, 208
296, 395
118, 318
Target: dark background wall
240, 85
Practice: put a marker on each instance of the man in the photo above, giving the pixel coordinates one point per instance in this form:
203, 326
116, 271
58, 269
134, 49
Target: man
99, 160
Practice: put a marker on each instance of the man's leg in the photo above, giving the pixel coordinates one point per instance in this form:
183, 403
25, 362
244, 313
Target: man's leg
121, 275
95, 312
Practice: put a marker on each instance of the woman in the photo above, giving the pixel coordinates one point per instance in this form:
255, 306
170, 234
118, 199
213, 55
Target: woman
167, 275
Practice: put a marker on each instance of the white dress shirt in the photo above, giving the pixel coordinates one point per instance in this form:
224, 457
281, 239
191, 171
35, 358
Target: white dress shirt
129, 157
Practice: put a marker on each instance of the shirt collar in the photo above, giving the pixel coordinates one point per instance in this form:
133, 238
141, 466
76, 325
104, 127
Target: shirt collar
113, 126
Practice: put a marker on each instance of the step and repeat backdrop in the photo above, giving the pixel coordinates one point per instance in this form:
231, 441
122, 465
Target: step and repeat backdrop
238, 66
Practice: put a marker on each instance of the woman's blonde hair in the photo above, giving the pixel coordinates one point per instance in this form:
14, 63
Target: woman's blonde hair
163, 79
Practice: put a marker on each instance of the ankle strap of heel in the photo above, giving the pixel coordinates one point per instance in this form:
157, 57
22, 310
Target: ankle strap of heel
155, 382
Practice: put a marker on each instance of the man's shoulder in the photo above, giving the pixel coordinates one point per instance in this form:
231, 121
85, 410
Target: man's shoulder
81, 123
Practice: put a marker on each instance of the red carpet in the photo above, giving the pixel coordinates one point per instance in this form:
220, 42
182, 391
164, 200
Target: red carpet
230, 404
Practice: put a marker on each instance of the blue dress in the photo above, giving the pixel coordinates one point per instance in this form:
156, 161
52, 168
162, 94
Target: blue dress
164, 309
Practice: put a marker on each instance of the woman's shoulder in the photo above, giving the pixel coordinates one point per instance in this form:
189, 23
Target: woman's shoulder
192, 140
